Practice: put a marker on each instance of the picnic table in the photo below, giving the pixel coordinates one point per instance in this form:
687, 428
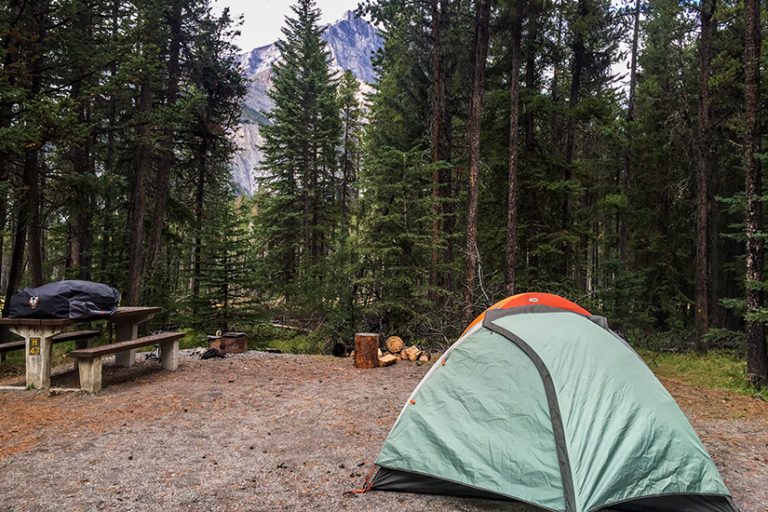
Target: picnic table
39, 332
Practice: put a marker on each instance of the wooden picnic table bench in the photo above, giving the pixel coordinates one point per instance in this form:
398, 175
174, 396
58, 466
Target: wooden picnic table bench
82, 339
89, 359
39, 334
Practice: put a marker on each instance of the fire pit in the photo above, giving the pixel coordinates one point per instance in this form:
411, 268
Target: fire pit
229, 342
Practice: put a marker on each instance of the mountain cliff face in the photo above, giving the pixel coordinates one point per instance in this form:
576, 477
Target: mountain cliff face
351, 42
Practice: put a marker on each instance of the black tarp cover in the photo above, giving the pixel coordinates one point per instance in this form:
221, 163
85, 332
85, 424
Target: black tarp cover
72, 299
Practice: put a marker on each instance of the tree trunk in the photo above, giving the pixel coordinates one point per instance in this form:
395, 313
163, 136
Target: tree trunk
31, 177
167, 158
138, 198
556, 120
6, 117
198, 249
437, 105
31, 204
109, 159
81, 208
703, 172
577, 68
9, 40
475, 117
757, 359
530, 71
623, 235
511, 238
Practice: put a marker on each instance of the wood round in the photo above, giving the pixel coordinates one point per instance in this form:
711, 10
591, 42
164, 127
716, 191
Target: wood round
366, 350
395, 344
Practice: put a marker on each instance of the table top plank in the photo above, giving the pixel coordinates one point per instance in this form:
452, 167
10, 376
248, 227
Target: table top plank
36, 322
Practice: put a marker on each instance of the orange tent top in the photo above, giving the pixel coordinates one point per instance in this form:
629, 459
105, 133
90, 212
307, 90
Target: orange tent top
531, 299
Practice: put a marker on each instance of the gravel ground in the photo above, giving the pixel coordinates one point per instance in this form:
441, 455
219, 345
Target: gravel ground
267, 432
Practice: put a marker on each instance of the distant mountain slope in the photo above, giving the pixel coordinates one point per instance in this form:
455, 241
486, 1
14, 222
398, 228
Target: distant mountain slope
351, 42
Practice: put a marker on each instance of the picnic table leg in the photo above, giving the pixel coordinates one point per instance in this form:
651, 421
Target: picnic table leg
90, 374
169, 354
38, 365
126, 331
38, 355
86, 343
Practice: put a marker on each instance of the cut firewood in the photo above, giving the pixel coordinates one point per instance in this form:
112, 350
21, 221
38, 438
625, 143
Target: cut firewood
387, 359
395, 344
412, 353
380, 354
424, 358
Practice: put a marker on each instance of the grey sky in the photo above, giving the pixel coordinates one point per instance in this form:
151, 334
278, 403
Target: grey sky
264, 18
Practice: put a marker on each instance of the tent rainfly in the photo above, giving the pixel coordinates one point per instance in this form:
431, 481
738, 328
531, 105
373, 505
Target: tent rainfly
540, 402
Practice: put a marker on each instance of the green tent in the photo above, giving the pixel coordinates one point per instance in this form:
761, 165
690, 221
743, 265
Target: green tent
544, 404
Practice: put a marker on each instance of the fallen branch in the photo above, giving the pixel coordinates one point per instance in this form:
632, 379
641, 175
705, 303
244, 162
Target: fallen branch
302, 330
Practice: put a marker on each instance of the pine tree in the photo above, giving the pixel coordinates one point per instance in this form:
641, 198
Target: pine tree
349, 159
300, 212
757, 360
227, 273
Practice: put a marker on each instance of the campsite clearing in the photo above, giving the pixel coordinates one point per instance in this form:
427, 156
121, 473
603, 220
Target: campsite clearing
258, 431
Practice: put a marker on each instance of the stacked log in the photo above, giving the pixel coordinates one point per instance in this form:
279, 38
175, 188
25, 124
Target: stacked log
397, 351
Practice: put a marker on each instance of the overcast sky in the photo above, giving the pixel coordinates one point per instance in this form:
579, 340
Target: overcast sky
264, 18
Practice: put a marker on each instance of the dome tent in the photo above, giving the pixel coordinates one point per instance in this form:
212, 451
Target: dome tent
539, 402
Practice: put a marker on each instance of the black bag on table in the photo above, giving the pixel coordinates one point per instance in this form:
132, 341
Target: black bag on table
75, 300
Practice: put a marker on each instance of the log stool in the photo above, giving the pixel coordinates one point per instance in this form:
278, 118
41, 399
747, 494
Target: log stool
366, 350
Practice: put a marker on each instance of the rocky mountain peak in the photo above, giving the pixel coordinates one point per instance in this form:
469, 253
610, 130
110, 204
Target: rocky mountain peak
351, 42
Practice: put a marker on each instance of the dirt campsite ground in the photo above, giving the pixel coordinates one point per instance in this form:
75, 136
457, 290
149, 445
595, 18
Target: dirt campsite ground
268, 432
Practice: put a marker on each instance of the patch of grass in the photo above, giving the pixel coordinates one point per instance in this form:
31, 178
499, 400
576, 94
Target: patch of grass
294, 345
192, 339
715, 370
287, 341
14, 358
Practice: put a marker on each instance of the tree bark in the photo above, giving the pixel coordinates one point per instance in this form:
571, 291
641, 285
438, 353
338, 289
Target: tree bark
577, 68
514, 116
109, 159
31, 204
530, 70
437, 105
81, 208
556, 119
197, 252
9, 40
138, 197
757, 359
703, 171
167, 158
366, 350
475, 117
31, 178
630, 117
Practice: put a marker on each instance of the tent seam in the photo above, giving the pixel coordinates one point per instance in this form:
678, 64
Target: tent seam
563, 459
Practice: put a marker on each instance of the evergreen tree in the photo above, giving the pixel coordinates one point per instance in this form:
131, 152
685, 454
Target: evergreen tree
300, 210
227, 273
96, 99
349, 159
757, 360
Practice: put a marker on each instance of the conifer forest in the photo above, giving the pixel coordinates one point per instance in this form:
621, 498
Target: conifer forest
608, 151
